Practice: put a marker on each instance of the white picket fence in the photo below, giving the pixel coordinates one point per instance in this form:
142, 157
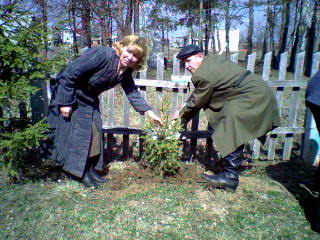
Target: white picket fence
283, 136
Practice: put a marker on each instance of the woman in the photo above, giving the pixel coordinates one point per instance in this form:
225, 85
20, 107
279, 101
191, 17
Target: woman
74, 110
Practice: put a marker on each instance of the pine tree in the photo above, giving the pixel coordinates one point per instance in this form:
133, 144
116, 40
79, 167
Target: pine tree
22, 64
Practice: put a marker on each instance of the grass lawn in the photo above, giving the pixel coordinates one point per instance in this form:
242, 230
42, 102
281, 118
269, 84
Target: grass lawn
269, 204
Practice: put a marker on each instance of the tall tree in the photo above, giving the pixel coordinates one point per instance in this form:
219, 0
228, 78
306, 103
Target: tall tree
250, 28
128, 22
73, 16
300, 31
85, 22
227, 26
285, 30
208, 25
313, 37
136, 29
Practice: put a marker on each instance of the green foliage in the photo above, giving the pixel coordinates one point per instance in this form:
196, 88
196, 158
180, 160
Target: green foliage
23, 65
14, 144
161, 145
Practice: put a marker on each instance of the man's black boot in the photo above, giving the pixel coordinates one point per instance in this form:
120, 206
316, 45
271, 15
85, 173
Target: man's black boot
96, 176
88, 181
229, 177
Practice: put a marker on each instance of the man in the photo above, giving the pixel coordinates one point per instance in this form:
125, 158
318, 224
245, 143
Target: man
239, 106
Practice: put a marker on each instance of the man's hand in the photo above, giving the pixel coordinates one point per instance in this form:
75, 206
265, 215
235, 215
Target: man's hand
66, 111
154, 117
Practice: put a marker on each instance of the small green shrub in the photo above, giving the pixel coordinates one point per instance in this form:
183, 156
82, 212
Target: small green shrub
161, 146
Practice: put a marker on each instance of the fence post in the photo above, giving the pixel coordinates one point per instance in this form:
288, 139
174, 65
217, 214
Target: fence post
279, 94
266, 66
160, 66
265, 76
176, 66
294, 106
311, 141
251, 62
143, 74
234, 57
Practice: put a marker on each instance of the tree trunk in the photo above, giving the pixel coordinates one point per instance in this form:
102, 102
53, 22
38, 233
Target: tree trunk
200, 23
85, 23
265, 46
250, 29
119, 19
272, 34
162, 36
208, 27
268, 33
219, 40
74, 28
128, 22
227, 26
136, 29
312, 38
285, 26
44, 16
298, 38
103, 22
295, 26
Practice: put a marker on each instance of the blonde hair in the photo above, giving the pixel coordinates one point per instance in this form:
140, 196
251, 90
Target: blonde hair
138, 46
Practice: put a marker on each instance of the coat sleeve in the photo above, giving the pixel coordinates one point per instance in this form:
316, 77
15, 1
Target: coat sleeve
200, 97
77, 72
133, 95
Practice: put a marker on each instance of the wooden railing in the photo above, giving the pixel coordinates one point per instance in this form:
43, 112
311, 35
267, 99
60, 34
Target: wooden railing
289, 96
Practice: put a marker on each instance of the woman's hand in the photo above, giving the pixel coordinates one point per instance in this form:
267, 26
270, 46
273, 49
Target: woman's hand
154, 117
176, 115
66, 111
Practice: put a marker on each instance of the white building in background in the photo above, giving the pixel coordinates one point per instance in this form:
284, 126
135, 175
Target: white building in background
234, 39
67, 37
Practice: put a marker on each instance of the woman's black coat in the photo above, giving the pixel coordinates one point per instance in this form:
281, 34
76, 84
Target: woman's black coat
79, 86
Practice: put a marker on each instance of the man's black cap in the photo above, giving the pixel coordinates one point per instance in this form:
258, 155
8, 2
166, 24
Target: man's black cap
188, 51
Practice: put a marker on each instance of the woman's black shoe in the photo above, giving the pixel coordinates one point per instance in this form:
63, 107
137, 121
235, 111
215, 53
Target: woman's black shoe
88, 181
97, 177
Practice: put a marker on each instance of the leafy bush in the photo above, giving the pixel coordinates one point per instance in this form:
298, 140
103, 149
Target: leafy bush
161, 145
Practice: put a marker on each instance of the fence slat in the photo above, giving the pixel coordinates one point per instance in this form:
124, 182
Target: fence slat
160, 66
176, 66
193, 142
159, 96
103, 106
126, 111
279, 97
294, 106
159, 83
256, 149
143, 74
234, 57
251, 62
143, 92
272, 147
266, 66
175, 92
111, 107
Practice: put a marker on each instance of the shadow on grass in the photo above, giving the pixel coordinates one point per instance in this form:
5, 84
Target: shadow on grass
301, 182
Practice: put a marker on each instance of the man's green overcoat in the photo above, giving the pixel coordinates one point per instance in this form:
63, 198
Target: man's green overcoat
239, 111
